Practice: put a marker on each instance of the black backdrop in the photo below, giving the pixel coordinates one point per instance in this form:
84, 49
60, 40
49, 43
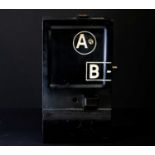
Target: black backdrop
133, 83
21, 56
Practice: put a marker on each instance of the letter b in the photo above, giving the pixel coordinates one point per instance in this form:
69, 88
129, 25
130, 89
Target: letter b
93, 71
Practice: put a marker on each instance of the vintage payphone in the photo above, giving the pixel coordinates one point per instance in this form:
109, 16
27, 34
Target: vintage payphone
77, 76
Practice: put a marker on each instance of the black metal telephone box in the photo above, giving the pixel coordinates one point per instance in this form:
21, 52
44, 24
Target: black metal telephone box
77, 76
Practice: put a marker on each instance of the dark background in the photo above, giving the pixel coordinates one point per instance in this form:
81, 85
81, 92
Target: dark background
20, 78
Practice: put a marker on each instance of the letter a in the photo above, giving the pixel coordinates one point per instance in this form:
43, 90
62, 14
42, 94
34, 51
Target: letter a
82, 41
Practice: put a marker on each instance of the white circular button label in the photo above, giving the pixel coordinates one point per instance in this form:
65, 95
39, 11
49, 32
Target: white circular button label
84, 42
